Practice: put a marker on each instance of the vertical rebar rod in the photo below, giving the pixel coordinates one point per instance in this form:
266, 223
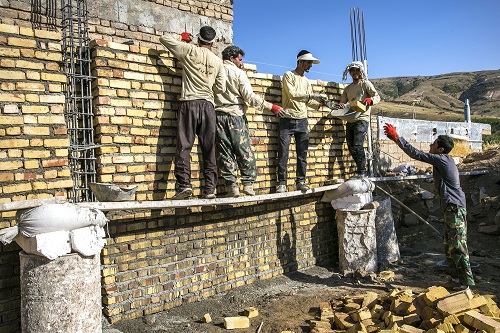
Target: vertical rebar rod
78, 90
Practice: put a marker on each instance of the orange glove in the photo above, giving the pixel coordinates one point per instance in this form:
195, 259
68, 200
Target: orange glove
186, 37
390, 132
277, 110
368, 101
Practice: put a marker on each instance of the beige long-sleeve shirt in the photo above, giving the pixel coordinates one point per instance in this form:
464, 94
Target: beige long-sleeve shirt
295, 95
359, 91
239, 94
203, 73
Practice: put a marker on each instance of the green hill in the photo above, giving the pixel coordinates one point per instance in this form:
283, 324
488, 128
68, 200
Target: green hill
440, 97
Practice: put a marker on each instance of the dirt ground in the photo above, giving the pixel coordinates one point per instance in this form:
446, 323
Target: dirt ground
287, 303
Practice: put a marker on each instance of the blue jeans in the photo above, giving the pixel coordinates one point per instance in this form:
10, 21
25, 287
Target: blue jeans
355, 137
299, 128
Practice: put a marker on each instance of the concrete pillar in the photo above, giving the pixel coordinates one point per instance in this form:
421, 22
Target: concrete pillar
387, 239
61, 295
357, 240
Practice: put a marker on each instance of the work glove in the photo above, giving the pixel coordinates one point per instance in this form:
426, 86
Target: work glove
390, 132
186, 37
368, 101
341, 105
278, 110
318, 98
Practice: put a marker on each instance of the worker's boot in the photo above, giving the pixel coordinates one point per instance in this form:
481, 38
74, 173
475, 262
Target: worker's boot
248, 189
232, 191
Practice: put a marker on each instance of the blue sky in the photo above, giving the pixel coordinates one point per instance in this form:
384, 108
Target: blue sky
403, 38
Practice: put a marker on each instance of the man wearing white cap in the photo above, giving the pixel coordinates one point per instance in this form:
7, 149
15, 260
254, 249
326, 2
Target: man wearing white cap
297, 96
203, 75
363, 91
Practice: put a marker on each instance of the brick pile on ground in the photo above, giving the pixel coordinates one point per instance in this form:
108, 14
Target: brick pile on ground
435, 310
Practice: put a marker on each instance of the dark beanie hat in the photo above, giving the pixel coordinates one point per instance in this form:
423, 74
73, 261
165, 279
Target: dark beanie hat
207, 34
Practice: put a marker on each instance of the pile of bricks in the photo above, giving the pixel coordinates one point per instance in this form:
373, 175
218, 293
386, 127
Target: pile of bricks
435, 310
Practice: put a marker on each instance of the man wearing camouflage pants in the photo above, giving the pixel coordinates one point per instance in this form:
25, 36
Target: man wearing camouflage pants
447, 182
233, 145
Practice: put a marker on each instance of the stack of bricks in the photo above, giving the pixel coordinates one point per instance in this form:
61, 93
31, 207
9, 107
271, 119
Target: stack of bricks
33, 134
435, 310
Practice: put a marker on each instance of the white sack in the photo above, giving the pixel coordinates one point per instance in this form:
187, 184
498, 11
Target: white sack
56, 217
352, 186
50, 245
7, 235
352, 202
88, 241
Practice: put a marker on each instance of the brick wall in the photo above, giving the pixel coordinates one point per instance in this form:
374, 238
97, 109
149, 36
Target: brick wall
33, 139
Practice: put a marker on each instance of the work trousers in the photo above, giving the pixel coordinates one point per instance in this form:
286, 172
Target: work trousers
299, 128
455, 243
355, 137
196, 118
234, 150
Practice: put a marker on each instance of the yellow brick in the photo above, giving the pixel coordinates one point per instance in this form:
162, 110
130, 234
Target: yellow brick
56, 99
16, 188
11, 120
8, 28
36, 153
61, 184
53, 77
32, 130
12, 75
26, 31
30, 86
51, 120
13, 131
12, 97
56, 142
14, 143
8, 52
35, 109
14, 41
28, 64
31, 164
14, 165
48, 34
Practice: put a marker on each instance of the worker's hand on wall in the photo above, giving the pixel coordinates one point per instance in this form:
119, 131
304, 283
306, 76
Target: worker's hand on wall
368, 101
186, 37
278, 110
390, 132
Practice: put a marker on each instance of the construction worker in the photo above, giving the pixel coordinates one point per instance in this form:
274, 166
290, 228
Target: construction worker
203, 75
234, 150
297, 96
447, 182
355, 129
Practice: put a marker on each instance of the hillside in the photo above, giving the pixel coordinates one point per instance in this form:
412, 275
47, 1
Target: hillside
440, 97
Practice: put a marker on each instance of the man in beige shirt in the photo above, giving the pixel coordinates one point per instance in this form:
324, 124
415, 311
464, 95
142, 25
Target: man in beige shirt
363, 91
203, 75
234, 150
297, 96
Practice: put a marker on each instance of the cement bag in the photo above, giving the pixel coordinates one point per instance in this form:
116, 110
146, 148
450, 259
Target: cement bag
352, 202
50, 245
88, 241
350, 187
7, 235
56, 217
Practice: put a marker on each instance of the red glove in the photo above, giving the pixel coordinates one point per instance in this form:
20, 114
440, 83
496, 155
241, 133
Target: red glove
342, 105
277, 110
390, 132
186, 37
368, 101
